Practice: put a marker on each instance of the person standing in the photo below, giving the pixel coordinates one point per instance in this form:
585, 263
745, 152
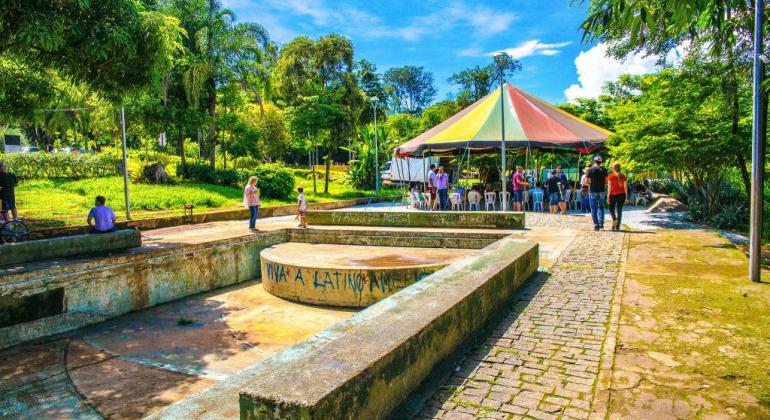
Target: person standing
518, 187
442, 187
597, 182
302, 208
553, 185
585, 205
618, 194
432, 185
251, 200
8, 183
562, 189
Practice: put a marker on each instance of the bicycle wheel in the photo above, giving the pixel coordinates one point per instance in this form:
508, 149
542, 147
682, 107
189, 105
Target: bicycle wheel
14, 231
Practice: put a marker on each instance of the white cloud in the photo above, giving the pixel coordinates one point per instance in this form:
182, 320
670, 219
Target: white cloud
482, 21
595, 68
534, 47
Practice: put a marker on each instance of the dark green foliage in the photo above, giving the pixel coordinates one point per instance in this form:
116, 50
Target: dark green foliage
59, 165
275, 180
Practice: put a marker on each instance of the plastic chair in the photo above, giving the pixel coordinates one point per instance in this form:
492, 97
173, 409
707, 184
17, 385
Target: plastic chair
525, 203
489, 199
537, 201
475, 201
567, 197
457, 204
505, 199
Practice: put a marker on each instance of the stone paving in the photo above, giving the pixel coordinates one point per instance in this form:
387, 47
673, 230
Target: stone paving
543, 359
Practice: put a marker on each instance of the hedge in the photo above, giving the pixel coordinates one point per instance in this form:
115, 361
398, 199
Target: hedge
59, 165
275, 180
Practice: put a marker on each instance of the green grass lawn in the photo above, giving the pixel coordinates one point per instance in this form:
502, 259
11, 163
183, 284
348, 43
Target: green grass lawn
51, 203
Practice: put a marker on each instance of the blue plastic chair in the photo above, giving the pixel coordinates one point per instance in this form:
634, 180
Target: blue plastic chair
537, 201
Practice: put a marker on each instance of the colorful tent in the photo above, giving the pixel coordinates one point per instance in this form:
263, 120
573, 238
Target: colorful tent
530, 123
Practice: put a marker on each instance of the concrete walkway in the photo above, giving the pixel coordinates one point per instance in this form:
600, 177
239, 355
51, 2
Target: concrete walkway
543, 359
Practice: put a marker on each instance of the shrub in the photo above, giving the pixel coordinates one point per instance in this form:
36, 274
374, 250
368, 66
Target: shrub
60, 165
275, 180
731, 213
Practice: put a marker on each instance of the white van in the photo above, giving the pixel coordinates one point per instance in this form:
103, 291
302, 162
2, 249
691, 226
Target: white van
407, 169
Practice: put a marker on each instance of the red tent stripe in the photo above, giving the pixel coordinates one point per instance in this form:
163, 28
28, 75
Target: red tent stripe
536, 124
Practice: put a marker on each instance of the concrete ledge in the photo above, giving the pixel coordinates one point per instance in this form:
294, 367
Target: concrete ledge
403, 238
103, 288
68, 246
366, 366
466, 219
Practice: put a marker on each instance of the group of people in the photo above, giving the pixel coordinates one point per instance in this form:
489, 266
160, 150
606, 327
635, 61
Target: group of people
596, 187
252, 201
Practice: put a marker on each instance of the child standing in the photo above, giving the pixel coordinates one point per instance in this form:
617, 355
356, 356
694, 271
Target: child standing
301, 208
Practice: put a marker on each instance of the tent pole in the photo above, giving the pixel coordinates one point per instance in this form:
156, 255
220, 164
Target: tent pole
424, 172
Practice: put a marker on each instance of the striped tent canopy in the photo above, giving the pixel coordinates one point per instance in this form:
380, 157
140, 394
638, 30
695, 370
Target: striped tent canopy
530, 122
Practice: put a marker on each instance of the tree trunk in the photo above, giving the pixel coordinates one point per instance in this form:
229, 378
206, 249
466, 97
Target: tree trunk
213, 126
328, 168
182, 158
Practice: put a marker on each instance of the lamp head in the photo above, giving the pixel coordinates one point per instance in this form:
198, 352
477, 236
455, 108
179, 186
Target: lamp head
501, 60
374, 100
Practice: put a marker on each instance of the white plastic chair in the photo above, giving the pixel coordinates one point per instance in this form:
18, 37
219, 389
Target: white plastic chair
456, 201
489, 199
475, 201
537, 201
505, 200
525, 201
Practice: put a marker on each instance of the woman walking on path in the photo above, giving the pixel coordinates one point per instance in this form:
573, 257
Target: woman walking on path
251, 200
618, 194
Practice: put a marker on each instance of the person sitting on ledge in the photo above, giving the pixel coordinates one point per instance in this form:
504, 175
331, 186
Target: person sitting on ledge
101, 219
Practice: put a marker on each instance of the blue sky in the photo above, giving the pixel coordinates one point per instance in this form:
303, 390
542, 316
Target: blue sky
448, 36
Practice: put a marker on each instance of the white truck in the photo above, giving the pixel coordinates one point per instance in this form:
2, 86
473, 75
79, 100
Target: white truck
407, 169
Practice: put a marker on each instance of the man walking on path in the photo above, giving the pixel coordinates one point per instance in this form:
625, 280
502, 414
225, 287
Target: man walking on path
519, 185
562, 189
442, 186
432, 185
597, 182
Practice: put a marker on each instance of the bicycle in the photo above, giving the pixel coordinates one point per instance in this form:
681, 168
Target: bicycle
13, 231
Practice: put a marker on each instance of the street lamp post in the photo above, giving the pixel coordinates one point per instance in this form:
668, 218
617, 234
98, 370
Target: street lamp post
501, 61
375, 100
757, 151
125, 164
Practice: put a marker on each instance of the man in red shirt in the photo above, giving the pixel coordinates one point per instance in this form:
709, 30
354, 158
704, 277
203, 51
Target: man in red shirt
618, 194
519, 185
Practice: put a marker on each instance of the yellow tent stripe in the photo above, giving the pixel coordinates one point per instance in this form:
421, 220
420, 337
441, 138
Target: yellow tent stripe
469, 125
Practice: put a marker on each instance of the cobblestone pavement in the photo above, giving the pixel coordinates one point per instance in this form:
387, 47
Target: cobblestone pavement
543, 359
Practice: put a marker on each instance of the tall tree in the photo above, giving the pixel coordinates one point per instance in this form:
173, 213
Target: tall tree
476, 82
409, 88
113, 45
316, 79
724, 28
371, 84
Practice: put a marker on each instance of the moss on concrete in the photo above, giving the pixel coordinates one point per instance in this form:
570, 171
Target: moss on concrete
501, 220
694, 332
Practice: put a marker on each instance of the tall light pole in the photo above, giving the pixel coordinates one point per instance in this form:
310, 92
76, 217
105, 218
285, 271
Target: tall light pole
375, 100
501, 61
125, 163
757, 151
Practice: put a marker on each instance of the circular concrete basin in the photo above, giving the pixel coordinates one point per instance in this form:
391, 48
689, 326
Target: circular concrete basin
347, 275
